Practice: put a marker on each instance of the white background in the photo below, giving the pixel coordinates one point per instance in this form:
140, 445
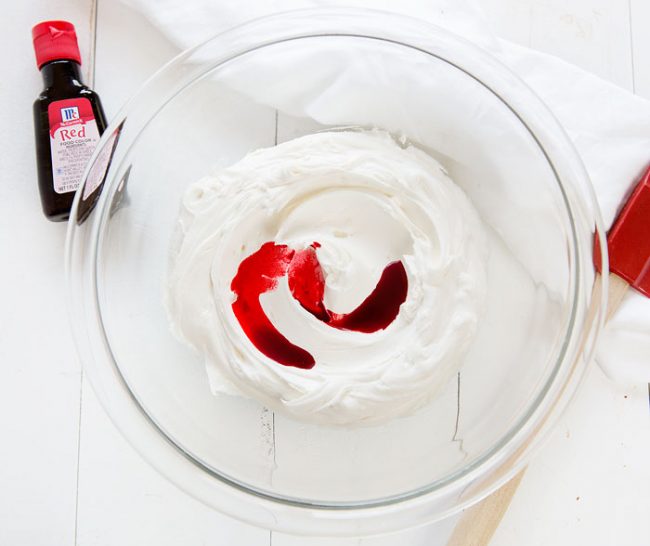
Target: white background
66, 475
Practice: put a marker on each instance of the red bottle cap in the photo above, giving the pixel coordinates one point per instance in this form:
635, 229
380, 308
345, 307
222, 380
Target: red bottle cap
55, 40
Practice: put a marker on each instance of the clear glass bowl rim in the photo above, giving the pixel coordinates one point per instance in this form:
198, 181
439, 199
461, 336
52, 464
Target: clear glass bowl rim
303, 516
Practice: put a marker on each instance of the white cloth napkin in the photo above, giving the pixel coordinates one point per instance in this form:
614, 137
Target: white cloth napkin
609, 126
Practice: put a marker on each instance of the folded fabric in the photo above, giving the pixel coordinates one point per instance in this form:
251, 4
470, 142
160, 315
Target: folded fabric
609, 126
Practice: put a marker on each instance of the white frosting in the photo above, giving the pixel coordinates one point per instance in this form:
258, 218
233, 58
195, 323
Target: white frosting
368, 201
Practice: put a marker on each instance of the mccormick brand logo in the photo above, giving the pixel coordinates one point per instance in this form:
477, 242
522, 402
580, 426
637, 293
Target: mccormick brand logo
70, 113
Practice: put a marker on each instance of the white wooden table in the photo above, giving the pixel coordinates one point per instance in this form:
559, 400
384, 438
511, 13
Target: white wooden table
66, 475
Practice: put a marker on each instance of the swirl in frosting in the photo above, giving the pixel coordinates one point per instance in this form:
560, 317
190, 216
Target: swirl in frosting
368, 201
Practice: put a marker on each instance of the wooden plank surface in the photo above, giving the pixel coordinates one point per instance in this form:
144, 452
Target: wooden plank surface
592, 34
39, 385
640, 40
589, 485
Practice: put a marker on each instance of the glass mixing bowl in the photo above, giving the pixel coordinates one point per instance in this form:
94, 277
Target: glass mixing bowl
278, 78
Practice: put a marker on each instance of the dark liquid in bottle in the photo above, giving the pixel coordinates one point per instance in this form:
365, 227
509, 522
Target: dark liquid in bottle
62, 81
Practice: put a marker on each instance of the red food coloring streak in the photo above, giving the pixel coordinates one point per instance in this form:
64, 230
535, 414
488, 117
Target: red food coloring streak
376, 312
381, 307
307, 282
258, 273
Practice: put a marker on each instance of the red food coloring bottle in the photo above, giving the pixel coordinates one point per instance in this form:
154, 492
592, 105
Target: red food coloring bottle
68, 118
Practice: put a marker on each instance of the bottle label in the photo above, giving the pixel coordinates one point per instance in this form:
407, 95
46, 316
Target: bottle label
73, 137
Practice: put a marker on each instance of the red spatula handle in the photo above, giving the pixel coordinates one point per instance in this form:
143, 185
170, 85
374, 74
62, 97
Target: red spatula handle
628, 241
